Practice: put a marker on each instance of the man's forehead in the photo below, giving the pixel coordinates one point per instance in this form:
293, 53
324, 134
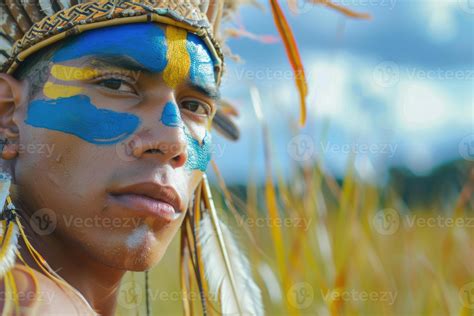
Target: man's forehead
156, 47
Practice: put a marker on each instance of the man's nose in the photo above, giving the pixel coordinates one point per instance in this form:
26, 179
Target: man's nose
163, 142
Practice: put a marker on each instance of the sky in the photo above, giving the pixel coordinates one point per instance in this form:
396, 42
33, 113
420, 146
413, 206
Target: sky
396, 90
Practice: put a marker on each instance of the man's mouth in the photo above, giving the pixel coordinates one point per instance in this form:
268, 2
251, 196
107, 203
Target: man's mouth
149, 199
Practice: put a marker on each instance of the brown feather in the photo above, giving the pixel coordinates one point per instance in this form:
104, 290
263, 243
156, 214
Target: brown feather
33, 10
16, 10
225, 126
8, 25
293, 55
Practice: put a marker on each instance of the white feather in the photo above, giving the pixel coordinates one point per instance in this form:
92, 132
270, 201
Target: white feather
9, 259
65, 4
5, 44
5, 182
271, 282
249, 295
10, 256
46, 7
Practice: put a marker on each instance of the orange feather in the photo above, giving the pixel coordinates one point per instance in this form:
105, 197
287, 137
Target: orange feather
293, 55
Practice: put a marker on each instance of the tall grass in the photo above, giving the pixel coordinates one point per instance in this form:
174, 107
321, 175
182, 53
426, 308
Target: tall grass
322, 247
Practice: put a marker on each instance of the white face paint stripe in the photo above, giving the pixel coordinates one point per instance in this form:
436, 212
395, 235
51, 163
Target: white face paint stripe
137, 236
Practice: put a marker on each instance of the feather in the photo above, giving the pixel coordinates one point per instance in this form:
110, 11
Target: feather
342, 9
9, 236
3, 57
227, 270
293, 55
21, 18
204, 6
9, 240
8, 25
64, 4
214, 13
5, 44
223, 124
33, 10
5, 182
46, 7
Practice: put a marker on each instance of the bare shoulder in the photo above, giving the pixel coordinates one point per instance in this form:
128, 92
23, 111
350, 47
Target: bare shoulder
37, 294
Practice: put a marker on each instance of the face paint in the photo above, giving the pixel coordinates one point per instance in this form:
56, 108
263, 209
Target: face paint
171, 116
199, 155
77, 116
201, 72
144, 42
55, 91
179, 60
177, 53
68, 73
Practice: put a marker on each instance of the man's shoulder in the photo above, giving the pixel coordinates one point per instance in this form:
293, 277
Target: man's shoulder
36, 293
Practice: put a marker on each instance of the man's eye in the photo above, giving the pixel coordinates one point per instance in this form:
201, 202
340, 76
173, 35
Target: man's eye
117, 84
197, 107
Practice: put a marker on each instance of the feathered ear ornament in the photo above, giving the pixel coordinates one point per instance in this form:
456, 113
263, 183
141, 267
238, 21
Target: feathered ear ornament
10, 230
222, 272
8, 226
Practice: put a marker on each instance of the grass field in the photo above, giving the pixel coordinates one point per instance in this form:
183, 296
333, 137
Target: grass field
318, 246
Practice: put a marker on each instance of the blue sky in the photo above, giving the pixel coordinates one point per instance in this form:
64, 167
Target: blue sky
394, 90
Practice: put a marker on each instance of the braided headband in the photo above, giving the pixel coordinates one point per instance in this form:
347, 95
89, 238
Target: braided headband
93, 15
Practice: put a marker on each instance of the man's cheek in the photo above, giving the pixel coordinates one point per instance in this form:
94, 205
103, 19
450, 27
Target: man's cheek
77, 116
199, 153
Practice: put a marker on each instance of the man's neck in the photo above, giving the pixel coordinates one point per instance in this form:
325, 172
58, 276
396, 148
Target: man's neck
98, 283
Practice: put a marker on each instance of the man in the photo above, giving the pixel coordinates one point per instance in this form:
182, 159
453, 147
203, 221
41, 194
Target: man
106, 109
124, 93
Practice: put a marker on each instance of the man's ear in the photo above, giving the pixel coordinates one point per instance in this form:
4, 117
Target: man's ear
12, 96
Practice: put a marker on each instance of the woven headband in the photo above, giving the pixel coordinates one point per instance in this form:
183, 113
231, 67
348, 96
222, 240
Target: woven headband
26, 29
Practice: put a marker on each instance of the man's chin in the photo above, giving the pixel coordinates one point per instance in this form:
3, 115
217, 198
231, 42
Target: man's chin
139, 250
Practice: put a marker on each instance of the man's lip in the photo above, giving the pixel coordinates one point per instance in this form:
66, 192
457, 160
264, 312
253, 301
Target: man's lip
145, 206
153, 191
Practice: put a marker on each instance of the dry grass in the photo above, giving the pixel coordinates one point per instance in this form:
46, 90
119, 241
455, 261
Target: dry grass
352, 249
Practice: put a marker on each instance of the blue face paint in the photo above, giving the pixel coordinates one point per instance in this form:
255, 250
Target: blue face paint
171, 116
77, 116
199, 155
202, 65
144, 42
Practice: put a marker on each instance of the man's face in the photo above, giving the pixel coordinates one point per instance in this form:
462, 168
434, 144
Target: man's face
125, 114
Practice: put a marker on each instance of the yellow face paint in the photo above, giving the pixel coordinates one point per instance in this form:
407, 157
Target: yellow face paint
56, 91
179, 61
68, 73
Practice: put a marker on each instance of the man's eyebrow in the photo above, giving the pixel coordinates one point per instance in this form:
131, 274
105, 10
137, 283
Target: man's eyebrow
210, 91
116, 61
128, 63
